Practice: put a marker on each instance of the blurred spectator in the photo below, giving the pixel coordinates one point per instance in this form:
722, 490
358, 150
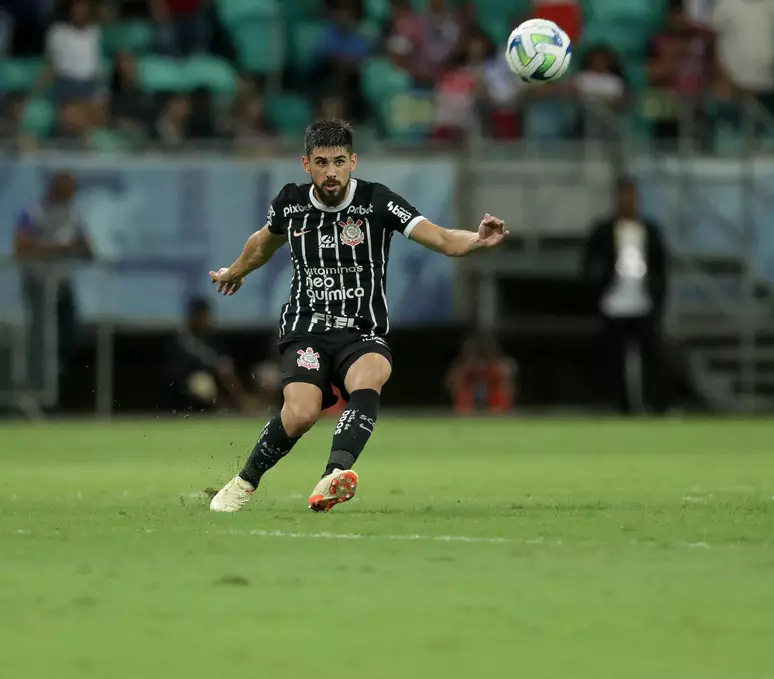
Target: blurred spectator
131, 108
478, 95
47, 236
183, 27
11, 112
456, 94
251, 130
74, 52
678, 67
203, 123
73, 126
626, 268
201, 375
331, 108
28, 25
566, 13
600, 82
700, 11
172, 125
423, 44
600, 79
745, 46
482, 378
343, 49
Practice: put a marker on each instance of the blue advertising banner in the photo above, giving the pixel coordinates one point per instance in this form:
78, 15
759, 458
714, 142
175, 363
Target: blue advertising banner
163, 224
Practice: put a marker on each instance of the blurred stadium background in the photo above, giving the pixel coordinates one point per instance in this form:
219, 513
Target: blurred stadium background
558, 548
180, 119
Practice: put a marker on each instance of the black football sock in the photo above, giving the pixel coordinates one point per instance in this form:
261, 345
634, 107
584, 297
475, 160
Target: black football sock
272, 446
353, 429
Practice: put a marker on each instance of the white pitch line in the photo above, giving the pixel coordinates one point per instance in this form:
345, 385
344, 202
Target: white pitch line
402, 538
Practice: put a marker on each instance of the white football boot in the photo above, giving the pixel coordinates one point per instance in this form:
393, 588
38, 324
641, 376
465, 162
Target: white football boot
233, 496
339, 486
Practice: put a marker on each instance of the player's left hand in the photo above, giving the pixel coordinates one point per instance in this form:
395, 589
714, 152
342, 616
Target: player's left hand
227, 282
491, 231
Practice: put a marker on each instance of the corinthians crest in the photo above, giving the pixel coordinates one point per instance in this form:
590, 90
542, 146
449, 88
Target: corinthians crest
308, 359
351, 233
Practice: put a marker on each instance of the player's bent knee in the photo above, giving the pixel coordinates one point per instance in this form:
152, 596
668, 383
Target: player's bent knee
369, 372
299, 419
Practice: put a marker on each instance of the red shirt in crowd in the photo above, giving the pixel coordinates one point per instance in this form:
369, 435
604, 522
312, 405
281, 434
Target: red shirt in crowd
566, 14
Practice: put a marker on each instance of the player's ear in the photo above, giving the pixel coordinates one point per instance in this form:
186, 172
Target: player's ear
353, 161
307, 165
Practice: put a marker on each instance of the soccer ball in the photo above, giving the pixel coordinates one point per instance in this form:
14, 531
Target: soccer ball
539, 51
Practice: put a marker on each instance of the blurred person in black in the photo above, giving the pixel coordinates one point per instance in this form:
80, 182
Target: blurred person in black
201, 375
131, 108
49, 236
626, 269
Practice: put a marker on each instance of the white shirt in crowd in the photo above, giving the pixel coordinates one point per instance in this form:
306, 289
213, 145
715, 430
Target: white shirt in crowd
75, 53
604, 87
628, 295
745, 42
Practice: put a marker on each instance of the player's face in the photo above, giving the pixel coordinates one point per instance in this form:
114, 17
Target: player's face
330, 170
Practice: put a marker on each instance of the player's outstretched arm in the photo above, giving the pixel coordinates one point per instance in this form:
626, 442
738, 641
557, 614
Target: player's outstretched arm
257, 251
454, 243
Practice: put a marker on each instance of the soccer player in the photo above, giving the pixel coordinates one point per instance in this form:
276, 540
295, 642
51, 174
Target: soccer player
334, 327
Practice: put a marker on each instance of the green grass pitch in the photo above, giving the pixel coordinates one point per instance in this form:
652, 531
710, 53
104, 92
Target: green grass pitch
538, 549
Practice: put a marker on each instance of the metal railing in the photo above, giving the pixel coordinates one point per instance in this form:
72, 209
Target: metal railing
29, 322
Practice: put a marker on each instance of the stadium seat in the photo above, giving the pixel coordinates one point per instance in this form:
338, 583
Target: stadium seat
260, 46
502, 10
290, 113
382, 80
497, 30
632, 14
377, 10
106, 141
301, 10
307, 36
160, 74
19, 75
128, 36
214, 73
38, 118
625, 37
234, 12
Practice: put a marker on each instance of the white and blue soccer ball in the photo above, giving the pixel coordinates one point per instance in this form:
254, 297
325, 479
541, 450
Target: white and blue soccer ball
539, 51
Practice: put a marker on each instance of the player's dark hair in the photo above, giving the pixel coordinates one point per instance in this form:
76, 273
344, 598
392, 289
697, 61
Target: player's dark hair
328, 134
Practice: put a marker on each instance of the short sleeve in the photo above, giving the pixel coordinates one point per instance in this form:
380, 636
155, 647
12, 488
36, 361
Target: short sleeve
399, 214
275, 212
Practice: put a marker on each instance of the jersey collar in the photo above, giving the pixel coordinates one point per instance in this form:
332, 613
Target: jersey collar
336, 208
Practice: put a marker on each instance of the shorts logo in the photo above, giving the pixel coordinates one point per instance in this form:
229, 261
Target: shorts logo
308, 359
351, 233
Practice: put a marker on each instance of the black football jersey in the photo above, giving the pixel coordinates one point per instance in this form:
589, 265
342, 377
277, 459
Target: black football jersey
339, 255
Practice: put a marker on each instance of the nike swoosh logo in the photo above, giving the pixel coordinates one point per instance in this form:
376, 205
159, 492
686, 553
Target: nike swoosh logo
301, 233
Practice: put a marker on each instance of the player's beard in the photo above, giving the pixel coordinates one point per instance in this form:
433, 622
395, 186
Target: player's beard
333, 195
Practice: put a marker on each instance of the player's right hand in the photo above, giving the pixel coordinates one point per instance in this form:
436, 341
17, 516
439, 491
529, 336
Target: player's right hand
227, 282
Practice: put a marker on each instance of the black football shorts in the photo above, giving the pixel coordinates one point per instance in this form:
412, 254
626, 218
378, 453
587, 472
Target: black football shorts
324, 358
